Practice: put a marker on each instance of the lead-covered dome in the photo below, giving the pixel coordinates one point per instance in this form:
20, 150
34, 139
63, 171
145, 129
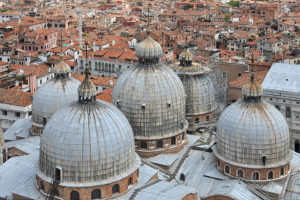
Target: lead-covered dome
90, 142
152, 97
54, 94
252, 133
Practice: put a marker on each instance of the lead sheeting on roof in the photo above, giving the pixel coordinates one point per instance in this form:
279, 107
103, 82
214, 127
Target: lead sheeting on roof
282, 77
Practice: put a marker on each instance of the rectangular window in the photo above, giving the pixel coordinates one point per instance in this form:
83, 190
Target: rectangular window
4, 112
18, 114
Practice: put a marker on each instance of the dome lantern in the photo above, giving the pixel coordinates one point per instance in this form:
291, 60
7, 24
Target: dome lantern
87, 90
186, 58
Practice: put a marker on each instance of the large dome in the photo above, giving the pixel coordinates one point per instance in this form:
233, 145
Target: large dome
253, 137
88, 144
54, 94
151, 96
152, 99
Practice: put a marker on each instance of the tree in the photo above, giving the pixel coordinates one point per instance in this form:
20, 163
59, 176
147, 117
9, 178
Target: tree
234, 3
227, 17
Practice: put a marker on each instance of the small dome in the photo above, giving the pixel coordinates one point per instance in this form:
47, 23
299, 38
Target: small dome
61, 67
252, 89
153, 100
92, 144
87, 89
148, 48
186, 56
53, 95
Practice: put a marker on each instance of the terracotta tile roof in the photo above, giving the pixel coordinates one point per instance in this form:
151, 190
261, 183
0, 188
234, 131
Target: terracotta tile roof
39, 70
259, 77
105, 95
105, 81
16, 98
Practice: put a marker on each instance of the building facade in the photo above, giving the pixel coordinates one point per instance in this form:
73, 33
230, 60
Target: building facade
281, 90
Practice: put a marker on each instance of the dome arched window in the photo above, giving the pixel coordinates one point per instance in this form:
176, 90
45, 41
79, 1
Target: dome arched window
197, 120
96, 194
75, 195
116, 189
281, 171
240, 173
58, 174
130, 181
173, 141
159, 144
227, 169
255, 176
297, 146
182, 177
270, 175
288, 112
42, 186
143, 145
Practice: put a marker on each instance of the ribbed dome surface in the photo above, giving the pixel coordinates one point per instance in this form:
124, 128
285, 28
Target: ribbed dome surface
152, 99
249, 130
200, 94
52, 96
252, 89
91, 142
148, 48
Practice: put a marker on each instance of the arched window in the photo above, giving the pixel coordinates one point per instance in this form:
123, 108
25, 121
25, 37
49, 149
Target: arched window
143, 145
281, 171
42, 186
57, 174
264, 159
130, 181
227, 169
277, 107
116, 189
182, 177
207, 118
74, 195
173, 140
255, 176
44, 121
218, 163
297, 146
270, 175
96, 194
55, 192
197, 120
159, 144
288, 112
240, 173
